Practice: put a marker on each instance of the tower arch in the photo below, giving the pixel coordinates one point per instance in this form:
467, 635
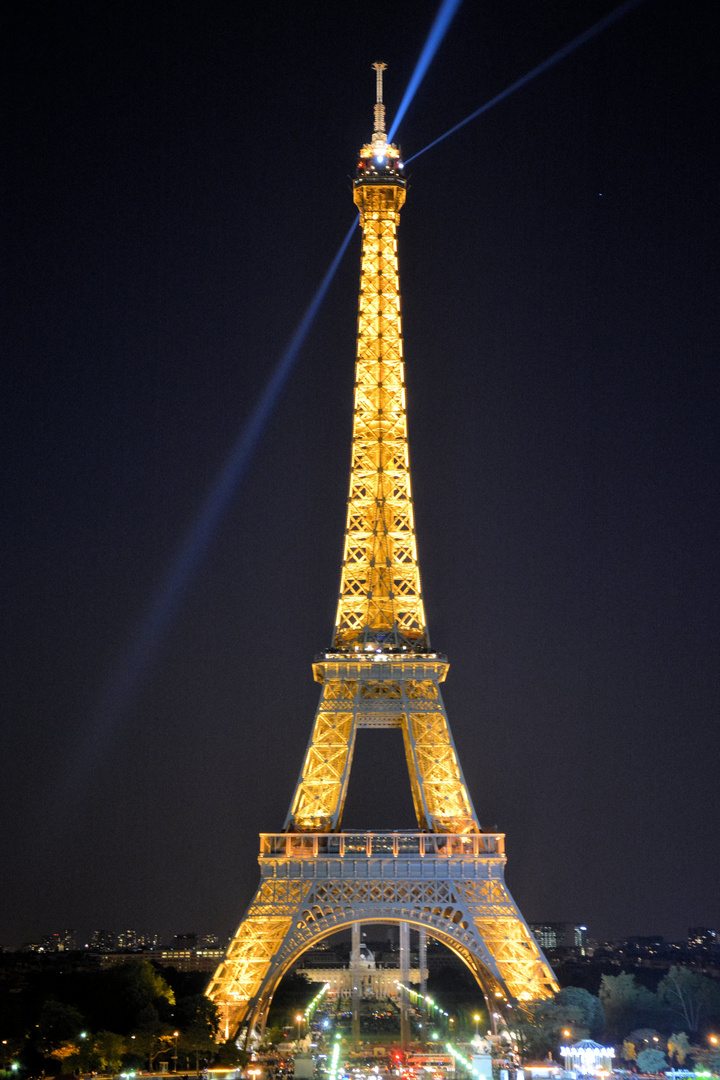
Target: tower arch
439, 926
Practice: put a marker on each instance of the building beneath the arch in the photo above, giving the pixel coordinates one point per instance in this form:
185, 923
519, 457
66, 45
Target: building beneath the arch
371, 979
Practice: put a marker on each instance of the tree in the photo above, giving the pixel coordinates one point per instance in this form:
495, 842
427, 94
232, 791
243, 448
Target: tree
679, 1047
198, 1020
578, 1008
536, 1024
651, 1061
229, 1054
107, 1051
689, 996
154, 1043
58, 1030
629, 1053
625, 1003
274, 1035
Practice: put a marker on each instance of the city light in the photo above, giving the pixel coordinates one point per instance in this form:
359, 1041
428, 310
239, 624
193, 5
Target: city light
588, 1057
428, 1000
332, 1074
462, 1059
315, 1002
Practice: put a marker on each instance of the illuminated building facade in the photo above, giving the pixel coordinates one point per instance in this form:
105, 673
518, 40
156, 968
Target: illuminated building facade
561, 935
371, 979
446, 878
588, 1058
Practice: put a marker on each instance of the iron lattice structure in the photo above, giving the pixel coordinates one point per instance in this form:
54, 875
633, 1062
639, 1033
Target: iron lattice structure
447, 878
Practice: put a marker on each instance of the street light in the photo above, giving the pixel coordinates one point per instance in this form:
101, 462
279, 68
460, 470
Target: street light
176, 1035
477, 1030
298, 1021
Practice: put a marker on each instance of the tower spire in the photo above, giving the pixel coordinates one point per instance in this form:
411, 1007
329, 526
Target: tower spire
380, 602
379, 134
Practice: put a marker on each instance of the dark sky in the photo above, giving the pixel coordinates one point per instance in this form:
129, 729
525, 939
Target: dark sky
175, 185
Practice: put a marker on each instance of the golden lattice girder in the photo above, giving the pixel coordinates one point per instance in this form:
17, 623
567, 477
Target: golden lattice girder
380, 595
382, 694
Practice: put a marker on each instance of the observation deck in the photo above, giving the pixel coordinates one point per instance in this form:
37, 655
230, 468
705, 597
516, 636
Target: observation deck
411, 855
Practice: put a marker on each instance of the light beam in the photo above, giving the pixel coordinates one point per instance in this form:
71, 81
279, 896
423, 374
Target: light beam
143, 647
581, 39
437, 32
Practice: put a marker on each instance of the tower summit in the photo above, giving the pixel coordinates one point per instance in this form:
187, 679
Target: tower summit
379, 136
445, 878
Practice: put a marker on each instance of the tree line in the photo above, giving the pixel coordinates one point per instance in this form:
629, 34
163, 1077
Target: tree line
130, 1016
135, 1016
652, 1029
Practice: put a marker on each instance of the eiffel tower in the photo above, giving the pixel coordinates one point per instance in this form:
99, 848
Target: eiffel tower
447, 877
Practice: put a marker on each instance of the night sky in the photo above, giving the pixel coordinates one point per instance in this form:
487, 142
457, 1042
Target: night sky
176, 181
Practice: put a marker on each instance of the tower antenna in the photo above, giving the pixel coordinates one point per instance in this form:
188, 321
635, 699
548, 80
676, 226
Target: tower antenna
379, 134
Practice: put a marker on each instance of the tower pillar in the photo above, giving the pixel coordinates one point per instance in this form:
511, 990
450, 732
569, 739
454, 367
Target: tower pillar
404, 979
355, 982
422, 961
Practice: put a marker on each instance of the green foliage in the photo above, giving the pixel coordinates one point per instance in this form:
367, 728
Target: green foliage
542, 1025
108, 1050
537, 1026
651, 1061
679, 1047
228, 1054
128, 1015
579, 1009
626, 1004
274, 1034
58, 1030
690, 997
198, 1019
629, 1051
154, 1044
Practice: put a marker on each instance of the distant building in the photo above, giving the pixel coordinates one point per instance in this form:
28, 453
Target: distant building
58, 941
701, 937
184, 941
374, 980
137, 940
644, 945
191, 959
561, 935
188, 952
103, 941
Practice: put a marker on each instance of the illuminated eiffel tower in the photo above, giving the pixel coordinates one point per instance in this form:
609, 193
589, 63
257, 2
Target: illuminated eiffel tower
446, 878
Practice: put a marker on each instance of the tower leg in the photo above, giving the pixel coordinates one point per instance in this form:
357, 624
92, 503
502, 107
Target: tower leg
422, 962
404, 979
355, 979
